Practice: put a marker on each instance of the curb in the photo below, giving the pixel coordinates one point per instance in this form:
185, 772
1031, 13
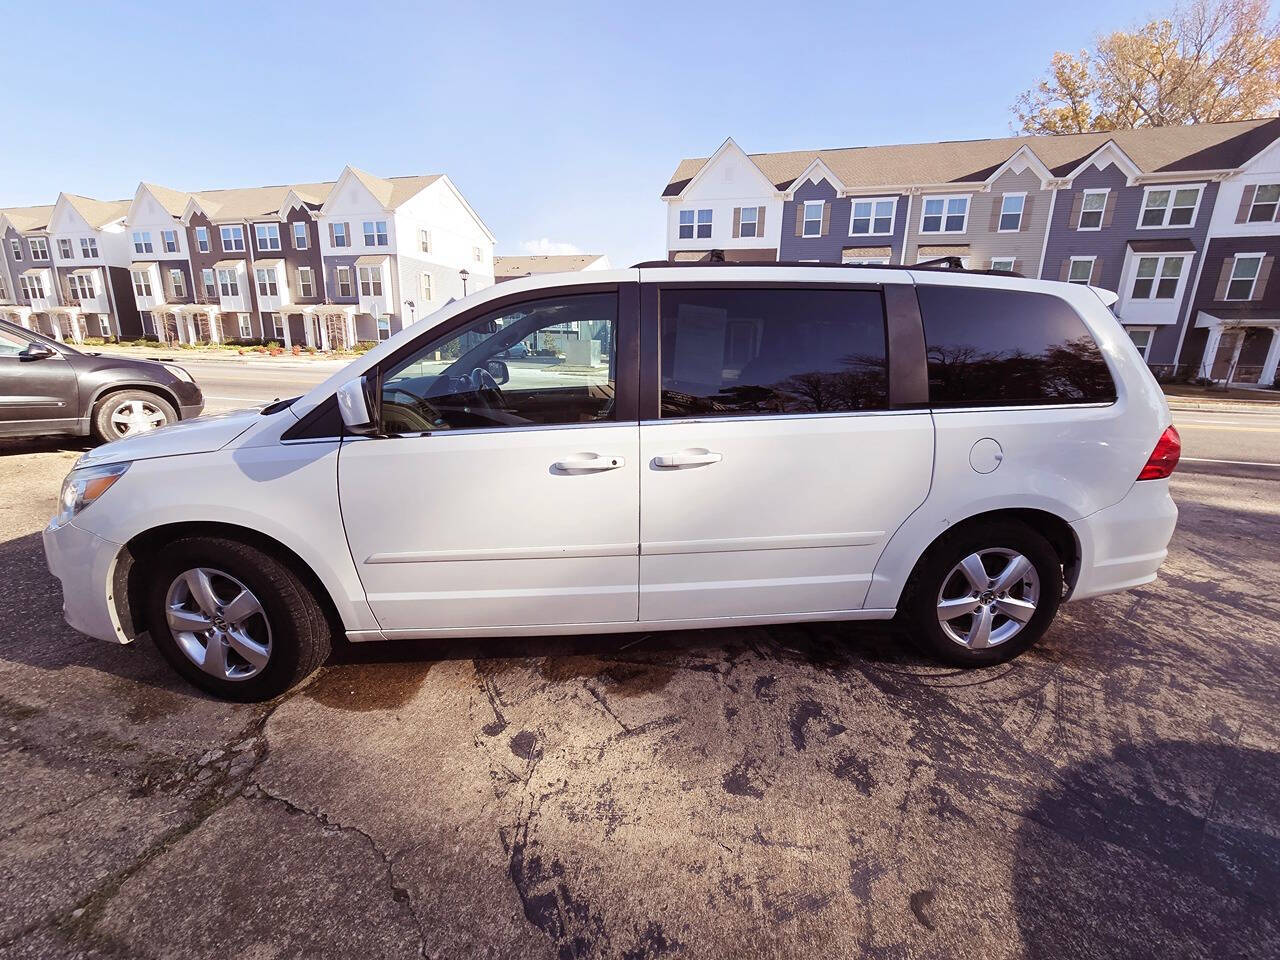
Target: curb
1226, 406
188, 356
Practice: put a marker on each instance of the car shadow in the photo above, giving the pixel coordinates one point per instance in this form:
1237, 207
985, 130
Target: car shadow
16, 446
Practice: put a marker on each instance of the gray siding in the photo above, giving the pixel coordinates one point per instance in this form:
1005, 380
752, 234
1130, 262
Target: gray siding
830, 248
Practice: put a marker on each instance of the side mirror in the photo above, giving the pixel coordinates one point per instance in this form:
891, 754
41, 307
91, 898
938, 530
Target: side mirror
498, 370
358, 405
36, 351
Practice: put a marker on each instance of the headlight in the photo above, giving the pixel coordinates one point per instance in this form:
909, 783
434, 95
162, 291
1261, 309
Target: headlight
178, 372
83, 486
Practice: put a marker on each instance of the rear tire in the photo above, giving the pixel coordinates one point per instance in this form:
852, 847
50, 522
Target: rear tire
253, 628
958, 608
127, 413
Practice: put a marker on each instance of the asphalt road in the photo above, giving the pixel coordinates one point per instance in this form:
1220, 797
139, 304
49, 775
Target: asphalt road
229, 385
800, 791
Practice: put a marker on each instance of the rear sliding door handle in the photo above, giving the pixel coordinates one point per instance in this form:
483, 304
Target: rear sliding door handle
587, 463
686, 458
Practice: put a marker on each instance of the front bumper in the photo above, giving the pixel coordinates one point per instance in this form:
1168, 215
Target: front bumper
190, 400
190, 412
1124, 545
85, 564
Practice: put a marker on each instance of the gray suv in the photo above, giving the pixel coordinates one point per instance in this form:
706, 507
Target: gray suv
49, 388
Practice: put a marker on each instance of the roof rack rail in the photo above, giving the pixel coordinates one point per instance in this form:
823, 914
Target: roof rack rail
715, 258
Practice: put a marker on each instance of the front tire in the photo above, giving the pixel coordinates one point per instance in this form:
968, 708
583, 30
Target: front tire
130, 412
234, 620
984, 594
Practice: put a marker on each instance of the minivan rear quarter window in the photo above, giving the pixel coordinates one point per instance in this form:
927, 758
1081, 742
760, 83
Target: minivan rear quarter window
766, 352
1008, 347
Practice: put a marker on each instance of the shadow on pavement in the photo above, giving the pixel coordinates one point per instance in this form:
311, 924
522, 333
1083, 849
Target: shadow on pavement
16, 446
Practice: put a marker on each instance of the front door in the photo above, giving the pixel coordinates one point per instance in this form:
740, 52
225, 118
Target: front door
1224, 361
776, 472
36, 393
506, 493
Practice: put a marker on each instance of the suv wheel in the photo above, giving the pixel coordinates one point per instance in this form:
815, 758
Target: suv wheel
984, 594
131, 412
234, 620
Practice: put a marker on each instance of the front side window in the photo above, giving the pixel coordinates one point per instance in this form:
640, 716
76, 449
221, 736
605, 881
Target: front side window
232, 238
267, 235
340, 236
1003, 264
142, 283
1156, 278
88, 248
477, 378
228, 283
1244, 274
306, 282
812, 226
1171, 207
750, 352
945, 215
65, 250
210, 285
747, 219
1011, 205
170, 240
300, 239
1008, 347
872, 217
1081, 270
142, 241
10, 345
178, 284
370, 281
39, 248
202, 239
267, 282
1265, 200
375, 233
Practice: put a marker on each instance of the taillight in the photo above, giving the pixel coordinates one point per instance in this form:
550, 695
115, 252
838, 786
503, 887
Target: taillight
1164, 457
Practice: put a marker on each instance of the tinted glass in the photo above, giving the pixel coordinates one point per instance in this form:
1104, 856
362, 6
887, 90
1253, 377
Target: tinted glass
999, 347
765, 352
545, 362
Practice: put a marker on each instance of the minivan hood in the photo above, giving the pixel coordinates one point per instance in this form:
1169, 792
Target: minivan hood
201, 435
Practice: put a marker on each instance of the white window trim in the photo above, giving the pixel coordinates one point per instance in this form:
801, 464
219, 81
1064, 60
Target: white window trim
236, 230
424, 240
306, 278
277, 325
1173, 188
338, 274
202, 245
177, 242
893, 216
142, 238
71, 248
1253, 285
245, 326
805, 219
385, 235
258, 237
1102, 214
88, 248
1021, 213
945, 198
1013, 262
15, 246
754, 221
1151, 331
1160, 258
341, 229
44, 248
1254, 202
1073, 261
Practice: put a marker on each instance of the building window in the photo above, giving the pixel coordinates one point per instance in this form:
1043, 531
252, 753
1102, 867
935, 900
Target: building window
344, 281
88, 248
1011, 206
142, 283
856, 261
1081, 270
210, 285
169, 238
202, 239
178, 284
384, 327
267, 236
1244, 274
4, 290
228, 283
1169, 206
945, 214
424, 240
16, 246
476, 254
306, 282
872, 217
685, 231
246, 330
300, 239
812, 226
32, 287
267, 282
1157, 277
1003, 264
232, 238
375, 233
695, 223
426, 286
747, 219
1265, 199
370, 281
81, 287
39, 248
340, 236
277, 325
104, 325
142, 241
1141, 337
1092, 207
65, 250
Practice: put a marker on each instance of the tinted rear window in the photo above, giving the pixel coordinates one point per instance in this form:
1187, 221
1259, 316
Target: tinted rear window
1001, 347
762, 352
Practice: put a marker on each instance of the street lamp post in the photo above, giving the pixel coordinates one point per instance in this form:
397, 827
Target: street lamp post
465, 276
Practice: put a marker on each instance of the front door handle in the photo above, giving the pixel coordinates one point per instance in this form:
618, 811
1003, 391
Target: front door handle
686, 458
587, 463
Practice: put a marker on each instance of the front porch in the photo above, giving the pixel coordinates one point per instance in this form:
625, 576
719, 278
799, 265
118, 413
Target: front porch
1240, 351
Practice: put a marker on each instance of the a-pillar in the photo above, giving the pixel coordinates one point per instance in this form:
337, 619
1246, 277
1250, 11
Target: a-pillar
1273, 360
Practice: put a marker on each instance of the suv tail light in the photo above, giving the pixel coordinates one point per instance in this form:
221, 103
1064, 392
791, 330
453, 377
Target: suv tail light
1164, 457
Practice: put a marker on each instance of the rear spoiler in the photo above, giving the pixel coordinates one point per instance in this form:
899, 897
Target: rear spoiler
1108, 297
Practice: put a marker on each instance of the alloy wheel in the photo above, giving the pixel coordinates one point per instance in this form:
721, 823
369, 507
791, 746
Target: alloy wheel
988, 598
136, 416
218, 623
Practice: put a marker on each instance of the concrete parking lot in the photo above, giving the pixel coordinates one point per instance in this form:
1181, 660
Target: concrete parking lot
799, 791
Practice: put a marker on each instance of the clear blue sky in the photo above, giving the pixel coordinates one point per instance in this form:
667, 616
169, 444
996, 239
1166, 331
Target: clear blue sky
559, 122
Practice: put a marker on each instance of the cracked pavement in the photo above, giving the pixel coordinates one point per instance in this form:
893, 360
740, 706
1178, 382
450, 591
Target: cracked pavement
799, 791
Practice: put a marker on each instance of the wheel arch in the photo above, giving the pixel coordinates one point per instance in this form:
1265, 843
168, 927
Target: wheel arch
147, 386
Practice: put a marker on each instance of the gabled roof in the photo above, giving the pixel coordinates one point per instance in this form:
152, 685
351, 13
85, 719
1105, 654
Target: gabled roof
391, 192
98, 213
816, 171
173, 201
542, 263
1204, 146
28, 219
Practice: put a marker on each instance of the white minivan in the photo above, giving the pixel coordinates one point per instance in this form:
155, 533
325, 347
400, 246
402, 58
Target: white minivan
665, 447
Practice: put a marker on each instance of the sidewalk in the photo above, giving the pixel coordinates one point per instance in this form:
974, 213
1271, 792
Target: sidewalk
1183, 396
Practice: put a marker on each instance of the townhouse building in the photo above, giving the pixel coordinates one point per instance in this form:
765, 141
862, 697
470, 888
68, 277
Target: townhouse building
317, 264
1165, 217
512, 268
